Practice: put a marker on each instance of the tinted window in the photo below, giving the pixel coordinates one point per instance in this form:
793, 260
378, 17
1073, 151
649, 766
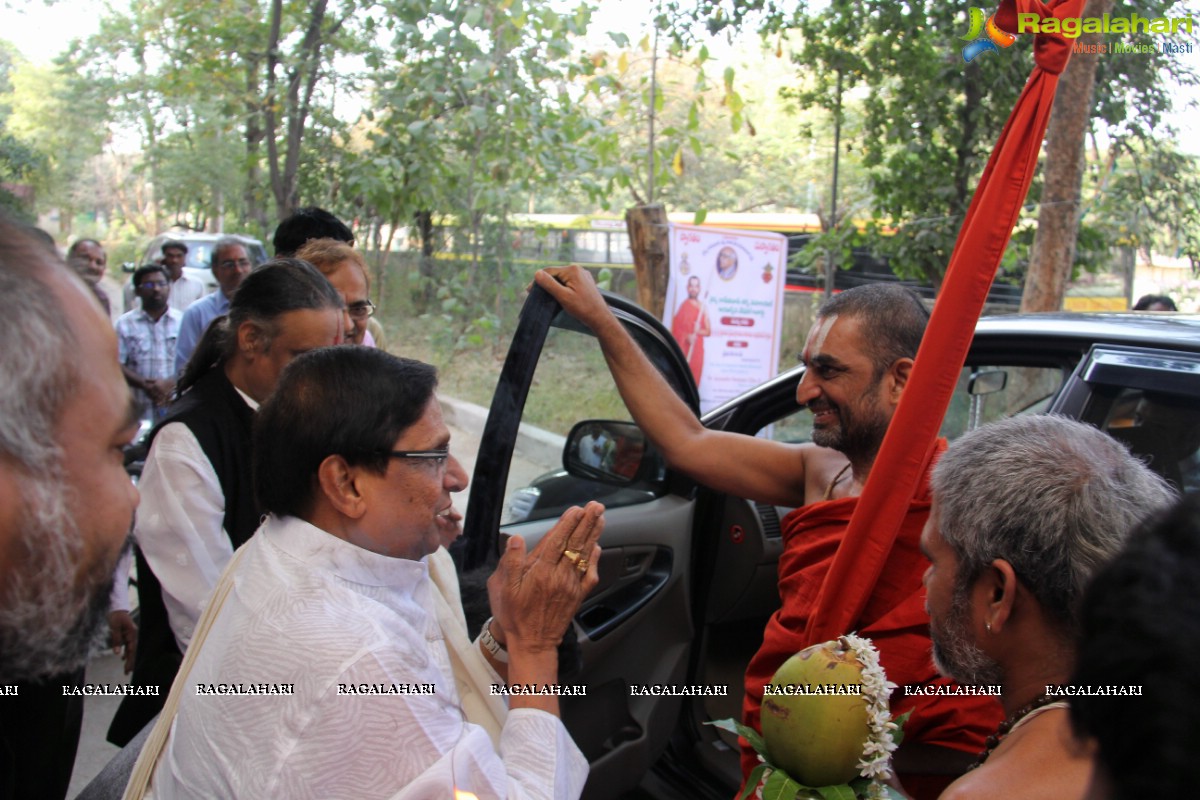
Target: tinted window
1161, 428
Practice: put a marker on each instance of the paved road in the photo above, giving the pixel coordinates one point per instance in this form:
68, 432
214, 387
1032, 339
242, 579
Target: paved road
536, 454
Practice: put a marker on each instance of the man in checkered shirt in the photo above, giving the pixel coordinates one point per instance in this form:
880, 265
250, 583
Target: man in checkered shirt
146, 341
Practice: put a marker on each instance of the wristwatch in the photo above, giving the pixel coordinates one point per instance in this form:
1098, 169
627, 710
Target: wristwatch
494, 648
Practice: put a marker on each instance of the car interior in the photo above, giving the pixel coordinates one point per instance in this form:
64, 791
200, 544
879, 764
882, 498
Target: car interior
1146, 400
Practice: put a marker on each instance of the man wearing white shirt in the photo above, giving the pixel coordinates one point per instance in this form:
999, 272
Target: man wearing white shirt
198, 504
184, 290
333, 594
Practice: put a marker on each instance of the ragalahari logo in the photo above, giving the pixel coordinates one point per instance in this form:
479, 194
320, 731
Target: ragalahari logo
984, 36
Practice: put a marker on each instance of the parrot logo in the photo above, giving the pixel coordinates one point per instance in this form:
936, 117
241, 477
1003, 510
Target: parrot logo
984, 36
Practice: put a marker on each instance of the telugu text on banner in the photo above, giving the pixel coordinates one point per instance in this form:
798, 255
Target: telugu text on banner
725, 307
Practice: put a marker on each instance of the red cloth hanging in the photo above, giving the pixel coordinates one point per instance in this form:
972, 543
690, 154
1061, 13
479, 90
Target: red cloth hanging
981, 241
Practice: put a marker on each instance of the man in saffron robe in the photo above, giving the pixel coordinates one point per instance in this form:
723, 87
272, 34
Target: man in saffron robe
690, 327
858, 355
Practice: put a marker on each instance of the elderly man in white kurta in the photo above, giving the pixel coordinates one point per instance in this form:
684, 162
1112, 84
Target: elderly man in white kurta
320, 668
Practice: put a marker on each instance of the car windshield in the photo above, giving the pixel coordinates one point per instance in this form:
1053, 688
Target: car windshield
199, 254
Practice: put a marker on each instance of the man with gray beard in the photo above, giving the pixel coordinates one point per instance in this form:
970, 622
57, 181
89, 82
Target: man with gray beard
1025, 511
65, 501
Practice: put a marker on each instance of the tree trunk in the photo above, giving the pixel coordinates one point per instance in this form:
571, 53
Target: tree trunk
1058, 219
647, 226
270, 115
1128, 260
256, 213
152, 152
425, 293
296, 103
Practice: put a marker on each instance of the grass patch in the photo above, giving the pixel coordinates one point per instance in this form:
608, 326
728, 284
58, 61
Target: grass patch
468, 343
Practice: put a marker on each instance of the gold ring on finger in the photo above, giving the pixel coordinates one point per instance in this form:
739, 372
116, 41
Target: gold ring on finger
582, 566
574, 556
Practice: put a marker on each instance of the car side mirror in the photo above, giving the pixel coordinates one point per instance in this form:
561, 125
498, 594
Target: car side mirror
612, 452
980, 385
987, 381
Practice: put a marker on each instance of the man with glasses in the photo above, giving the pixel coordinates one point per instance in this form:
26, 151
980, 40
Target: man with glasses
184, 290
198, 503
346, 270
146, 340
230, 265
335, 600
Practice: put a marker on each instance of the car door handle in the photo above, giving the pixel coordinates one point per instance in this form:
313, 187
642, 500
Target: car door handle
629, 577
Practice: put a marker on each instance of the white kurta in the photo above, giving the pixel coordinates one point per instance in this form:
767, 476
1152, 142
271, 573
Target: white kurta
180, 524
314, 611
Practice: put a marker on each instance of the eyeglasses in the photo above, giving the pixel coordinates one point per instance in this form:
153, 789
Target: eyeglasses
434, 458
153, 285
360, 310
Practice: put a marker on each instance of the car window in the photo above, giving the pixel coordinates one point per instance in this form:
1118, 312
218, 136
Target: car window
571, 384
1000, 392
1161, 428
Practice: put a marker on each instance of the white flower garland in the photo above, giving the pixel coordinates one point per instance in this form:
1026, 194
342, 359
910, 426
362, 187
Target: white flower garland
876, 761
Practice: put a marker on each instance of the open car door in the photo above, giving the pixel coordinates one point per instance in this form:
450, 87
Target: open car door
636, 629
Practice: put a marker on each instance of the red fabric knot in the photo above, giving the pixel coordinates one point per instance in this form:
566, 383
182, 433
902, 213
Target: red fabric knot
1050, 50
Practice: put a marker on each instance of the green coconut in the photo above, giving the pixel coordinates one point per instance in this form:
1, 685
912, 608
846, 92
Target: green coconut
817, 736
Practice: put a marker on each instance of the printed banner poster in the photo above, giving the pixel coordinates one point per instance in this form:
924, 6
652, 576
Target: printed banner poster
725, 307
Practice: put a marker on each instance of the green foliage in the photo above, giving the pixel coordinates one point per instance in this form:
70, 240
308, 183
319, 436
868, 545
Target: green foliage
929, 120
1134, 94
475, 109
229, 111
19, 165
655, 100
604, 279
461, 321
1147, 198
55, 128
838, 244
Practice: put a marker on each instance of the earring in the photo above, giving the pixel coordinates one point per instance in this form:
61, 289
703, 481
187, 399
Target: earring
988, 626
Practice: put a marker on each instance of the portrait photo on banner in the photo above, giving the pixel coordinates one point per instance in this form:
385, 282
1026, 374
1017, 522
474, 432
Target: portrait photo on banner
724, 306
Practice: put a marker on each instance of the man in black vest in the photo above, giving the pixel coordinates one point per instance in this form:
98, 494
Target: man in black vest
198, 501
